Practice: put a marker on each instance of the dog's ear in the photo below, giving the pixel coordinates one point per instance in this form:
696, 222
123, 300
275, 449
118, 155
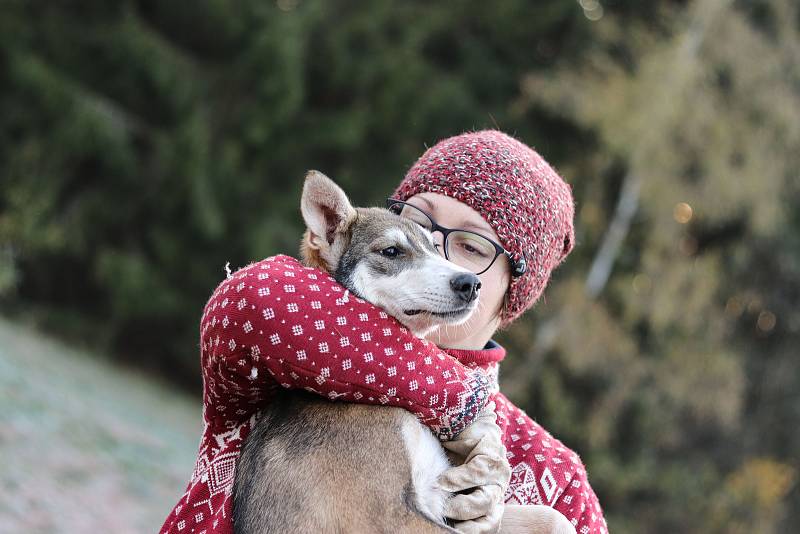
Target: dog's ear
326, 209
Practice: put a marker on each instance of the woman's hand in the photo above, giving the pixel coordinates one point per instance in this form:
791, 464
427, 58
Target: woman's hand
485, 471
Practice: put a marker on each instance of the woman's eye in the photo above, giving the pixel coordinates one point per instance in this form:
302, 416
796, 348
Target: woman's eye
390, 252
469, 249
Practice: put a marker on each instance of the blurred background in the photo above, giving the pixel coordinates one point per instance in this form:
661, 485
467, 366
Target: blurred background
144, 144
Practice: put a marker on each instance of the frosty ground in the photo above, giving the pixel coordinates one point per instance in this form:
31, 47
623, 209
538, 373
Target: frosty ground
87, 446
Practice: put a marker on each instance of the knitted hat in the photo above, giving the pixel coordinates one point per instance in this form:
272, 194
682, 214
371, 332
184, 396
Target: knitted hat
524, 200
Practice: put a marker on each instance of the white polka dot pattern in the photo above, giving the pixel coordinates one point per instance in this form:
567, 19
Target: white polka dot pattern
262, 327
277, 323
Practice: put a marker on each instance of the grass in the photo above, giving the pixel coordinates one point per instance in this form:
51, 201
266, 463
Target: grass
86, 446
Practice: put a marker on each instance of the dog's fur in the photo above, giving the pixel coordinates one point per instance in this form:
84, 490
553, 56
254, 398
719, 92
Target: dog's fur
347, 242
310, 465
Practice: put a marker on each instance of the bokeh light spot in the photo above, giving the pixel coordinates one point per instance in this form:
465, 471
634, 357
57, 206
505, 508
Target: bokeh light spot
592, 9
594, 14
734, 307
682, 212
766, 321
754, 305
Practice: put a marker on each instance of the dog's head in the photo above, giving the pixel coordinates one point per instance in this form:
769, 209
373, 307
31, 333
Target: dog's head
386, 259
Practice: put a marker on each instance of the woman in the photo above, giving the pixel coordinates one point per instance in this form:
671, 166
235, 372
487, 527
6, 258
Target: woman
276, 323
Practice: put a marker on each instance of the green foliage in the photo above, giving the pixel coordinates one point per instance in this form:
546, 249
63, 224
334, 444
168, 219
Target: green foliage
678, 355
145, 144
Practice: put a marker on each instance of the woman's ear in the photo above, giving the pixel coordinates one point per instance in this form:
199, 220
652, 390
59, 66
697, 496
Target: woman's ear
325, 208
569, 243
505, 301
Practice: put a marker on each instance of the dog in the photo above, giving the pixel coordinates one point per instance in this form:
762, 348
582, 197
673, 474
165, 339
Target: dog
393, 263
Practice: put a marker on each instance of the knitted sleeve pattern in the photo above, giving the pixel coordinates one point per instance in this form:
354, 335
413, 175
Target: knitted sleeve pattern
278, 323
580, 505
545, 471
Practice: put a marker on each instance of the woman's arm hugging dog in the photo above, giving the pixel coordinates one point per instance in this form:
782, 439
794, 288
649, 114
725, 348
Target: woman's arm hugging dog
312, 465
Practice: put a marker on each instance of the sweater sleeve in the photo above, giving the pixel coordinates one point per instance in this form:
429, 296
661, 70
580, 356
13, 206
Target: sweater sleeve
278, 323
580, 505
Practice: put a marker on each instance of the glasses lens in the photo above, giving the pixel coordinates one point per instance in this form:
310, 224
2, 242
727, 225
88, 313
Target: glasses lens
410, 212
469, 250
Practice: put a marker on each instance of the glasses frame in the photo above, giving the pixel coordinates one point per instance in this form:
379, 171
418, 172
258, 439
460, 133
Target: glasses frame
518, 267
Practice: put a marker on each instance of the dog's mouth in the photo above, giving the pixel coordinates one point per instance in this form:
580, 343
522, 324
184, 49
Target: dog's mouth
450, 314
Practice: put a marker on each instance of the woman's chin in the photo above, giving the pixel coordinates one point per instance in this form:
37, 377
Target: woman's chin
450, 336
468, 335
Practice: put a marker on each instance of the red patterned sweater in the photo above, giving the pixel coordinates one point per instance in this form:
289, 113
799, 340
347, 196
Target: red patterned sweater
277, 323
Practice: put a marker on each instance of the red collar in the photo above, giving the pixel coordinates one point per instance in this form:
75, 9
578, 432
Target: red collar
492, 353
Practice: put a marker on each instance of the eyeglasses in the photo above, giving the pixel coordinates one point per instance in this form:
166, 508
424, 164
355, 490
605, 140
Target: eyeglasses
470, 250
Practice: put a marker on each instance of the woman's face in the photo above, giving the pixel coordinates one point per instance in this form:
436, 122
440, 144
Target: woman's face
478, 330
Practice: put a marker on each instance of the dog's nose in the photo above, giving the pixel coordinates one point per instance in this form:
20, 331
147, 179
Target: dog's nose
466, 286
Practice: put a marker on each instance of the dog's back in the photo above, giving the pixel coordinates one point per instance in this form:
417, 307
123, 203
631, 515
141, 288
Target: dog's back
314, 466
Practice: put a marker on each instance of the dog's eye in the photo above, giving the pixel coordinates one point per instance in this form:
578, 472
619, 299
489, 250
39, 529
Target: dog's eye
390, 252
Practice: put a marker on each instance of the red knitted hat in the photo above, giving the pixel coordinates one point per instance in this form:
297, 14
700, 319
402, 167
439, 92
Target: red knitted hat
524, 200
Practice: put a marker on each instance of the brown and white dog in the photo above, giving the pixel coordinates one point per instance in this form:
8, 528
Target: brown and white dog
310, 465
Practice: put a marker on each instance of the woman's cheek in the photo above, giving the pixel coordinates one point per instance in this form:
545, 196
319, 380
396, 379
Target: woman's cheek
493, 290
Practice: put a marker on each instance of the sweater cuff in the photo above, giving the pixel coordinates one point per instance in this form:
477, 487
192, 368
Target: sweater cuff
472, 401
